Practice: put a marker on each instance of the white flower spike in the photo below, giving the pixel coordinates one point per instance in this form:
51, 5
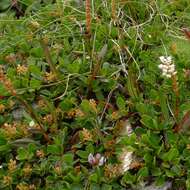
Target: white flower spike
126, 159
167, 66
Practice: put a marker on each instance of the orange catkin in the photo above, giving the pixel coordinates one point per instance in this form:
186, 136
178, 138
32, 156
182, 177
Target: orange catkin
113, 9
88, 17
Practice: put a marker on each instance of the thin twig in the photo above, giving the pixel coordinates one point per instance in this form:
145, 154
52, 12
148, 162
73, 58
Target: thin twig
176, 91
107, 102
66, 88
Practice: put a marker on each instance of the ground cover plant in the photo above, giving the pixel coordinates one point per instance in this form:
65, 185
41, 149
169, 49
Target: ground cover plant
94, 95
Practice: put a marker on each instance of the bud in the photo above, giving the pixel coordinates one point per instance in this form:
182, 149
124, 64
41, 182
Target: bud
40, 153
173, 48
2, 108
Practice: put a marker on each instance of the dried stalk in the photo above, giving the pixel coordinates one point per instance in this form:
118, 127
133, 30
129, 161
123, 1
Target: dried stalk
48, 57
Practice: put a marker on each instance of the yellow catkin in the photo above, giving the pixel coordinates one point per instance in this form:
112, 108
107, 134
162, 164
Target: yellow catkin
27, 170
86, 135
7, 180
21, 69
12, 165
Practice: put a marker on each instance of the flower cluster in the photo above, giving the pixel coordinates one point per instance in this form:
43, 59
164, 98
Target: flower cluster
12, 165
27, 170
93, 104
75, 113
86, 135
7, 180
9, 130
49, 77
21, 69
6, 82
167, 66
97, 160
23, 186
126, 159
111, 171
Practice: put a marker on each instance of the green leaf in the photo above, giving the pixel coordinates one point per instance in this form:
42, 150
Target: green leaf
83, 154
164, 107
22, 154
128, 178
2, 119
5, 148
95, 187
93, 178
68, 158
90, 148
77, 187
152, 139
145, 109
36, 84
160, 180
26, 154
156, 171
86, 107
66, 104
37, 52
74, 67
188, 183
11, 73
5, 4
34, 69
148, 158
131, 84
3, 139
169, 173
3, 90
143, 172
121, 103
171, 137
31, 148
149, 122
106, 187
54, 149
170, 155
61, 137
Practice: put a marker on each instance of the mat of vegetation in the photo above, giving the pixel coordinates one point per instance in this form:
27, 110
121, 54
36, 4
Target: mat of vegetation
94, 95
